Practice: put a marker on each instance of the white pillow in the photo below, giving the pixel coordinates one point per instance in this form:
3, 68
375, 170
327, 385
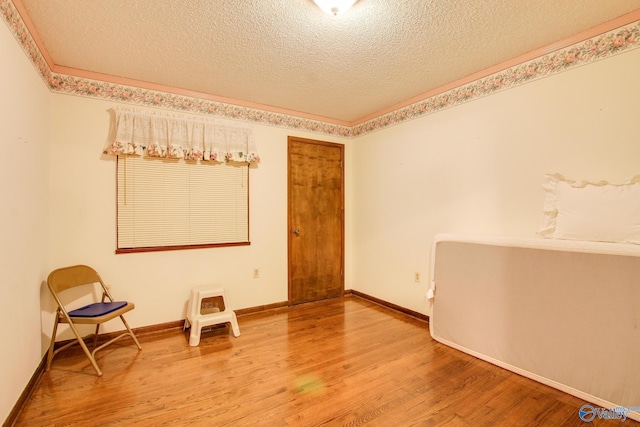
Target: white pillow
597, 211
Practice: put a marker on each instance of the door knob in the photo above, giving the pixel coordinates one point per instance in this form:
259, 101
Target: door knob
296, 231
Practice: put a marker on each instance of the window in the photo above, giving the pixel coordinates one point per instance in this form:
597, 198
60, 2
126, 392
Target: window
182, 181
168, 204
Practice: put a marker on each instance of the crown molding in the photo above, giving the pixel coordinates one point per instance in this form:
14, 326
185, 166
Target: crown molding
603, 41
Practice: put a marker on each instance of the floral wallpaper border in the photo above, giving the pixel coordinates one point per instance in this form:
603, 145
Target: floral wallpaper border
600, 47
603, 46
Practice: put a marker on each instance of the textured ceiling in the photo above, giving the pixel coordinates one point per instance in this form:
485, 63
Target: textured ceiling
288, 54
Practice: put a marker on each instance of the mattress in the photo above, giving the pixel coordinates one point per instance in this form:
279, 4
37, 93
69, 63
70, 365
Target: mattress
564, 313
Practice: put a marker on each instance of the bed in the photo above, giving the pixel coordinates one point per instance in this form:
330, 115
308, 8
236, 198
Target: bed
564, 313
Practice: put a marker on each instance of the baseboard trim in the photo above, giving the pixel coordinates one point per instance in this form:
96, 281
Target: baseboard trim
261, 308
26, 394
152, 329
387, 304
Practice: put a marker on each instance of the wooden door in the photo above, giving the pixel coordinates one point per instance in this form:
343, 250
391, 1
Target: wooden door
316, 220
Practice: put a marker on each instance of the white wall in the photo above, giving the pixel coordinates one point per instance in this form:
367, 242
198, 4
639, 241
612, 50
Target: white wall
83, 219
475, 168
24, 199
478, 168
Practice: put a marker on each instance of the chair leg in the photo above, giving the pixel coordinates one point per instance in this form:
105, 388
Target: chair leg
95, 336
80, 340
53, 343
85, 349
135, 340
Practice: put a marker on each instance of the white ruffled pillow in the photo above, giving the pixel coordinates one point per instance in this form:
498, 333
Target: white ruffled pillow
596, 211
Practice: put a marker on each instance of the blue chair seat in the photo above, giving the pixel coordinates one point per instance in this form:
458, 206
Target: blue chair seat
97, 309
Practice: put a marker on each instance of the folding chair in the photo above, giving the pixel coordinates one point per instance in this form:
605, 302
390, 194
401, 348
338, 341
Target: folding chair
96, 313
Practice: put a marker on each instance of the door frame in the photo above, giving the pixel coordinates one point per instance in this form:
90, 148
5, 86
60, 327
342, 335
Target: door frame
290, 224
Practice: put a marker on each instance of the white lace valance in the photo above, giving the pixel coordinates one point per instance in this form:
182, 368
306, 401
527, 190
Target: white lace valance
156, 135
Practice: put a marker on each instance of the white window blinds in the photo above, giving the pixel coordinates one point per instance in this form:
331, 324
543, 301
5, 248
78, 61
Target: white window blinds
172, 204
182, 181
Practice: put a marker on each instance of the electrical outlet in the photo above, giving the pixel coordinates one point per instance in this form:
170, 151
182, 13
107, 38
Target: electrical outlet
256, 273
416, 277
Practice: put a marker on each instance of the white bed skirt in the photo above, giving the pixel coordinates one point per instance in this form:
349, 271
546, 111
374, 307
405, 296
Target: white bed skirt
566, 314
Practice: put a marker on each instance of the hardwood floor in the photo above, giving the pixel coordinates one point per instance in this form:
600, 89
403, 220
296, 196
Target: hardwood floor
338, 362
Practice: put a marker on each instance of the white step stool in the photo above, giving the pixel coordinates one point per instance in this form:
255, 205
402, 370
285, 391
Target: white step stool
208, 307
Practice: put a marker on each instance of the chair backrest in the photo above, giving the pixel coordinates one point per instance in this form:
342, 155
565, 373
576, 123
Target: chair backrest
70, 277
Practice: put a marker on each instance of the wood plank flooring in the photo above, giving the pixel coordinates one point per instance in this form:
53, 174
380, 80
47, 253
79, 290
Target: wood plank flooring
340, 362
